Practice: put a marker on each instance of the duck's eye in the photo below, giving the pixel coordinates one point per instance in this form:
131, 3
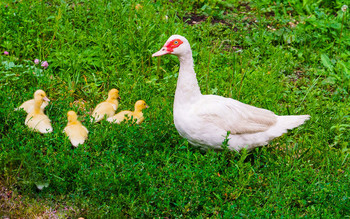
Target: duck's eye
176, 42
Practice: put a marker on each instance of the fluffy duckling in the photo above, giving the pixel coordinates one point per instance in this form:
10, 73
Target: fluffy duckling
126, 115
28, 106
76, 132
36, 119
107, 107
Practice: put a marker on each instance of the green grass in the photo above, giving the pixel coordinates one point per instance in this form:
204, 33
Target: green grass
285, 56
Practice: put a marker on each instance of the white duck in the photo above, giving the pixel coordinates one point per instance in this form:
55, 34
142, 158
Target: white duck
205, 120
36, 119
28, 105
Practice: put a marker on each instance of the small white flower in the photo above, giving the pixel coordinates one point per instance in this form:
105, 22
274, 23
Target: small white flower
344, 8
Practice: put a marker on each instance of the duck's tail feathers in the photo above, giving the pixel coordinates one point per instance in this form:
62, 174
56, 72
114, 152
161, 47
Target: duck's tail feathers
290, 122
250, 141
284, 123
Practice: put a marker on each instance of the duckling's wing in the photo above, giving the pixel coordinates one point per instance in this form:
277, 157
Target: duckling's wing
121, 116
115, 105
232, 115
44, 104
87, 131
103, 109
27, 106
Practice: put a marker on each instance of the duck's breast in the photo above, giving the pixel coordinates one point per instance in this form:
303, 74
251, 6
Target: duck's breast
196, 130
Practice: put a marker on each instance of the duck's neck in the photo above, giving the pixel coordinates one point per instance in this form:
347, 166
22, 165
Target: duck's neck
138, 112
73, 122
37, 105
187, 89
112, 100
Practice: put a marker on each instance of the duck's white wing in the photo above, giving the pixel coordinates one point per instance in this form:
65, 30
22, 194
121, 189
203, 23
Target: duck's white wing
232, 115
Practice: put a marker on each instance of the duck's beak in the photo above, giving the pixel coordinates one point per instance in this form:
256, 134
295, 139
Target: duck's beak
147, 106
46, 99
119, 98
161, 52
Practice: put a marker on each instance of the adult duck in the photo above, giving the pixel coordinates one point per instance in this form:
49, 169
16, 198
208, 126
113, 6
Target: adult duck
206, 120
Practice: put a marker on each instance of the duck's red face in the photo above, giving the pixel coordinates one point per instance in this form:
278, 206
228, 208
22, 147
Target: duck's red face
173, 44
168, 47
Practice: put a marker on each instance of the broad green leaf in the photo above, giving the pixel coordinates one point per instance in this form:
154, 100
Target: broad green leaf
326, 62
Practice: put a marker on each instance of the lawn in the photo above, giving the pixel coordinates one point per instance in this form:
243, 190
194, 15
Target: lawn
288, 56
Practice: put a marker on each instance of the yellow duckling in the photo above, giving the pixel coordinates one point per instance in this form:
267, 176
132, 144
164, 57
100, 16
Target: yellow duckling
126, 115
28, 106
107, 107
76, 132
36, 119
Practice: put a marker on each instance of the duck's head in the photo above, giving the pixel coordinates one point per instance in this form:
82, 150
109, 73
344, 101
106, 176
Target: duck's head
40, 95
72, 116
113, 94
140, 105
175, 45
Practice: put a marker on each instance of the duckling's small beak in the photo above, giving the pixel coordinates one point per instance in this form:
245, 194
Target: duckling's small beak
147, 106
161, 52
119, 98
46, 99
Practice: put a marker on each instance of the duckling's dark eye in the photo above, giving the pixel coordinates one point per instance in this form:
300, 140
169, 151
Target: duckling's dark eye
176, 42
